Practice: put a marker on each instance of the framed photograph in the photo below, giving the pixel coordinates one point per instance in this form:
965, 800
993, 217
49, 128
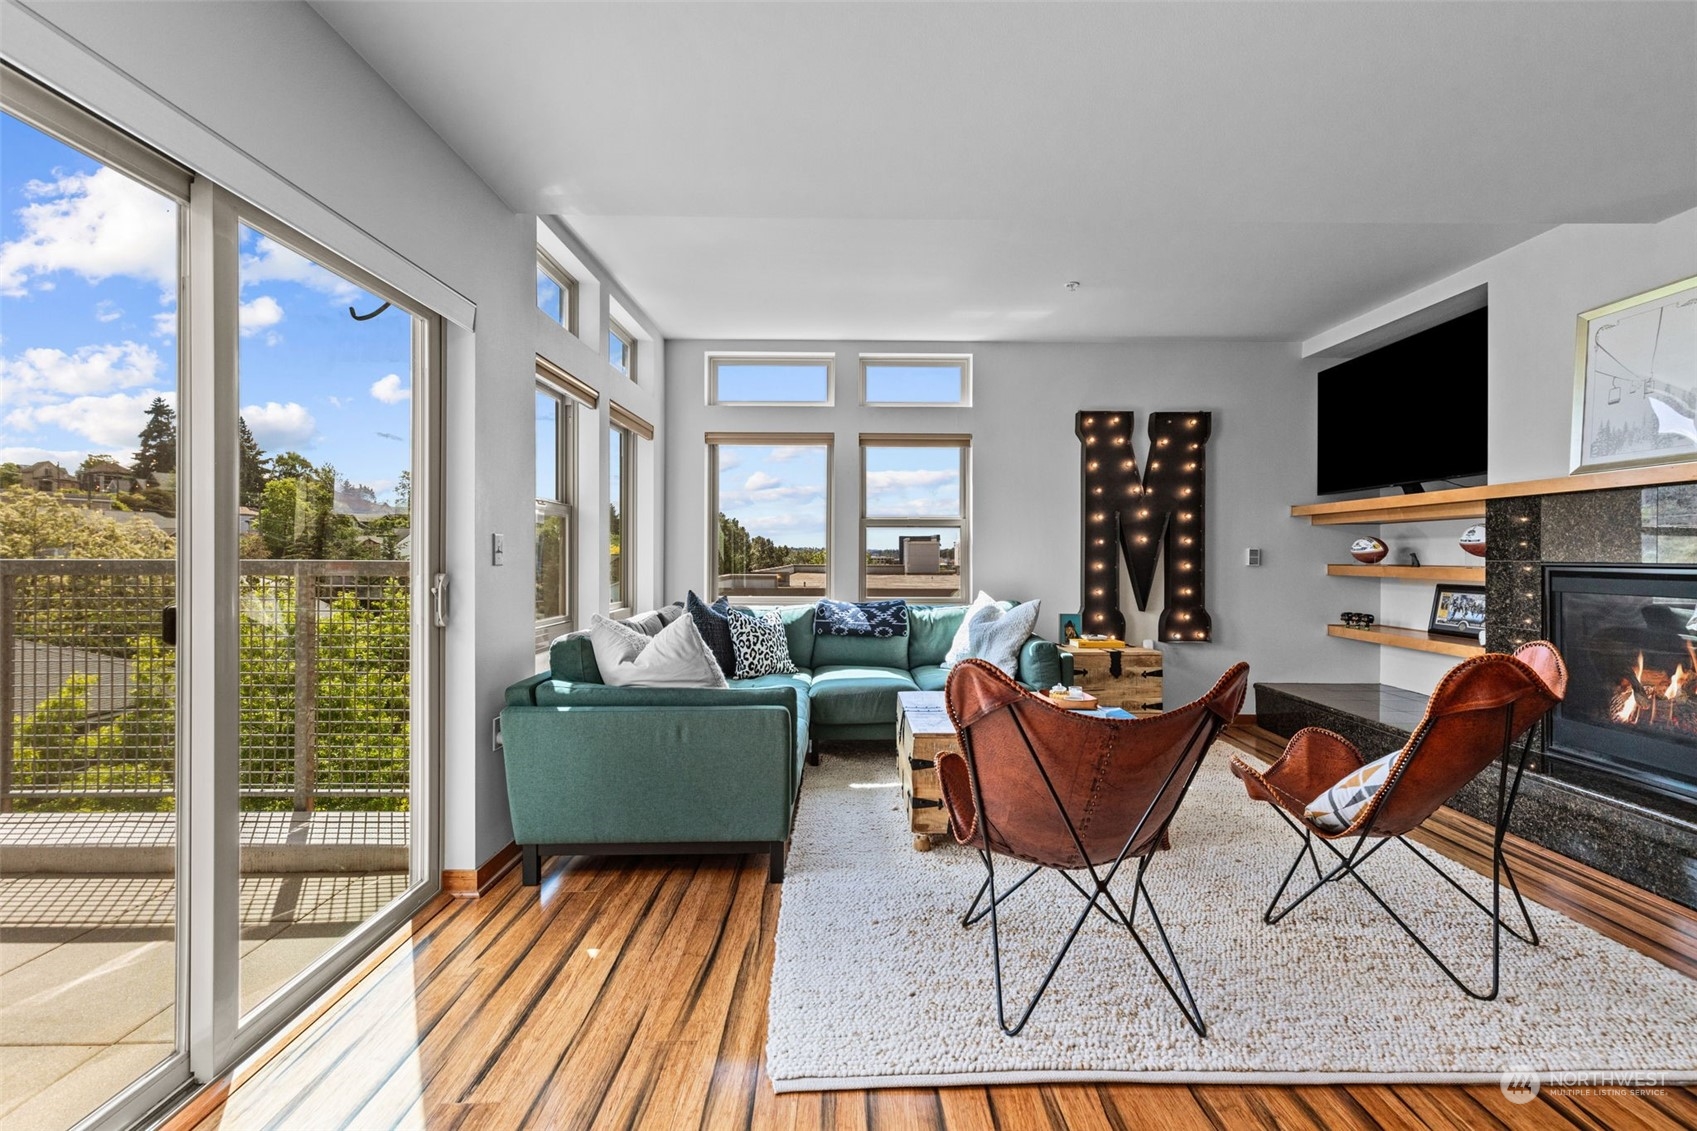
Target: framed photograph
1458, 610
1072, 627
1635, 380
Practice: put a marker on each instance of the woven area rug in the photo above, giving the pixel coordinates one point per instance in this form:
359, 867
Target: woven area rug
875, 983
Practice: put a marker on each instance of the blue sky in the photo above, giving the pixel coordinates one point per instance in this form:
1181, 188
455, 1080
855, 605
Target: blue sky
88, 260
779, 492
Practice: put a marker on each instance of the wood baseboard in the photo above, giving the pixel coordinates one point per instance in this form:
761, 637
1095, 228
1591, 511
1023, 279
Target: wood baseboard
1646, 922
467, 883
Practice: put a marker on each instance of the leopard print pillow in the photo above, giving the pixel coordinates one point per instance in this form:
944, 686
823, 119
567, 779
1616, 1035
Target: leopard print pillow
760, 644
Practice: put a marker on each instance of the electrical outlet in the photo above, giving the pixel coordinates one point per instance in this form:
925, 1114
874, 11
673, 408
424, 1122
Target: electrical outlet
1252, 556
498, 548
499, 741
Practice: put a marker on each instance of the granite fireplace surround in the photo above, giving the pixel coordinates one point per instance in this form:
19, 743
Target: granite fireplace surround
1645, 838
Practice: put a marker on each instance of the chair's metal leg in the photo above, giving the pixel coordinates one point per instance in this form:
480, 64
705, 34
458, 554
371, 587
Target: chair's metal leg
1186, 1004
969, 918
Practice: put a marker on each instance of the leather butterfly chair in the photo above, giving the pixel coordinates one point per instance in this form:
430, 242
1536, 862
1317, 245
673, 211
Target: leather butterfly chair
1473, 718
1072, 793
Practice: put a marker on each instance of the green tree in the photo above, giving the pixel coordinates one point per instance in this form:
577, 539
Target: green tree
292, 465
157, 451
254, 472
37, 524
403, 493
11, 474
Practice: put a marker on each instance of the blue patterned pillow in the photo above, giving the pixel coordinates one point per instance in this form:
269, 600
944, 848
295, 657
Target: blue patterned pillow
883, 619
714, 621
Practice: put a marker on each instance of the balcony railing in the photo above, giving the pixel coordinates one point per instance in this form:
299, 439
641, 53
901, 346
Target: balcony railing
89, 684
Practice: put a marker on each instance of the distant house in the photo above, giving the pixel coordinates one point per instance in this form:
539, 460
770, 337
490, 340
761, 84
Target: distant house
48, 476
921, 553
107, 477
244, 519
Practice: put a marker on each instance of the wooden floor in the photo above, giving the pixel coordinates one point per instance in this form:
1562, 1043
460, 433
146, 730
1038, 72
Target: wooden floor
631, 993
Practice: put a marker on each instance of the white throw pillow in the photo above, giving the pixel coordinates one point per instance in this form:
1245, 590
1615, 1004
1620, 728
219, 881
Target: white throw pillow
998, 636
676, 656
1334, 809
958, 648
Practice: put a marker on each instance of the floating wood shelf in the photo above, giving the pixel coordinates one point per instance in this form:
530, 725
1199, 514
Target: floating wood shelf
1414, 639
1469, 575
1469, 502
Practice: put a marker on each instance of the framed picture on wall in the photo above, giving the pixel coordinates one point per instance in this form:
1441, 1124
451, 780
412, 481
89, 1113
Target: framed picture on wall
1458, 610
1635, 380
1072, 627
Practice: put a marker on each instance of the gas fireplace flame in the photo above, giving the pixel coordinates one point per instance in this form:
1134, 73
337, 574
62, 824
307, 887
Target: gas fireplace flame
1638, 672
1675, 682
1624, 707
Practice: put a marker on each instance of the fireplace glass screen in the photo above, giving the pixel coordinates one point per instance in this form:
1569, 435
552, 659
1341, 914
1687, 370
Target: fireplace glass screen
1629, 637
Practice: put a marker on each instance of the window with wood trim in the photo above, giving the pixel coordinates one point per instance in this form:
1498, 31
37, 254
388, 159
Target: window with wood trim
914, 494
621, 517
769, 514
555, 517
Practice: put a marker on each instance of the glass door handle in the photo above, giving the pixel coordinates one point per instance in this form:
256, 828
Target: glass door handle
439, 600
168, 626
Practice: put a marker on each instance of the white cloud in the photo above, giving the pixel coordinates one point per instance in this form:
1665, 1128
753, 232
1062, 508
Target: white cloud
337, 402
165, 324
900, 480
107, 311
280, 426
110, 423
389, 389
729, 459
271, 261
787, 452
97, 225
759, 481
41, 373
26, 456
260, 314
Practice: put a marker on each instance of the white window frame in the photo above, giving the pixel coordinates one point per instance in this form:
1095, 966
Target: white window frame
627, 520
716, 440
564, 507
960, 361
617, 329
962, 523
567, 283
829, 360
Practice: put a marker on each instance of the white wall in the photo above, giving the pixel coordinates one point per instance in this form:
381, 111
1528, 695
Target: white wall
267, 100
1536, 291
1025, 490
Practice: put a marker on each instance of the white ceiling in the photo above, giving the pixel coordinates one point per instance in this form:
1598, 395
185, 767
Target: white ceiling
941, 170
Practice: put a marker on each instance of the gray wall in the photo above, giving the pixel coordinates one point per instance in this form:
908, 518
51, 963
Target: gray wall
1025, 483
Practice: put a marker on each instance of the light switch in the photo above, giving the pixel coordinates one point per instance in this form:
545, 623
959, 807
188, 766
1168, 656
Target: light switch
1252, 556
498, 549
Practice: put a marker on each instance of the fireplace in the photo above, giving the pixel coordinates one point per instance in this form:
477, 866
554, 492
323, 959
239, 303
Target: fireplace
1629, 636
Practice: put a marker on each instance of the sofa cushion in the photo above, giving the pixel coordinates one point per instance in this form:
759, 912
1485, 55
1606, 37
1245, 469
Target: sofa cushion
713, 622
931, 677
572, 658
860, 651
799, 681
761, 646
930, 629
857, 693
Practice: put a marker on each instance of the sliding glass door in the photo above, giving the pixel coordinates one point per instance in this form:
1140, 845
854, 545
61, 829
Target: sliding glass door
217, 654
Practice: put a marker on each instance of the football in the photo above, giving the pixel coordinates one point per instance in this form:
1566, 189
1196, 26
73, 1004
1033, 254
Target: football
1369, 550
1473, 540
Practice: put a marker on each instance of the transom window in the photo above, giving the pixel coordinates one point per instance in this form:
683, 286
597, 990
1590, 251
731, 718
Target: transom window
916, 381
913, 492
769, 509
621, 348
768, 379
556, 291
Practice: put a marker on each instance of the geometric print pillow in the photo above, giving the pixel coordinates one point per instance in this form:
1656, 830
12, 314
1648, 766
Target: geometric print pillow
1334, 809
760, 644
882, 619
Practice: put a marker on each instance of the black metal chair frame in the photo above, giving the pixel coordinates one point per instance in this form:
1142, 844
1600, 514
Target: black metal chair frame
1099, 881
1349, 865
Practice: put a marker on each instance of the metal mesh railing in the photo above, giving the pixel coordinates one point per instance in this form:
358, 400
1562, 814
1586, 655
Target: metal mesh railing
89, 684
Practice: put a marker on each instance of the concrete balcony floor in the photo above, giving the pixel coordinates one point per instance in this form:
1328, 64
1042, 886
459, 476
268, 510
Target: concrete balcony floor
88, 961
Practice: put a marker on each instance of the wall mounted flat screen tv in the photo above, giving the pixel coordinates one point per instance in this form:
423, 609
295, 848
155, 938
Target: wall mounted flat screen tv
1408, 413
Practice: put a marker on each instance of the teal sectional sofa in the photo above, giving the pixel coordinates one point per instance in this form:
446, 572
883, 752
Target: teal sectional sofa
593, 769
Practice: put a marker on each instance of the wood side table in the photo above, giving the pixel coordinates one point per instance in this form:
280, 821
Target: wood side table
1129, 678
923, 731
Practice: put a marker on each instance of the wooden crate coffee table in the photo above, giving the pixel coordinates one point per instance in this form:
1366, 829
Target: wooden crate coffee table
923, 731
1129, 678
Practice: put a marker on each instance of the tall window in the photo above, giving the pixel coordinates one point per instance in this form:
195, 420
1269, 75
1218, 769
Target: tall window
770, 505
554, 500
556, 291
913, 492
769, 379
916, 381
621, 447
621, 348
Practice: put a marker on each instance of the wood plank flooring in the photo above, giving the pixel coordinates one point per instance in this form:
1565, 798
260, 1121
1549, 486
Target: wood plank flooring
630, 992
